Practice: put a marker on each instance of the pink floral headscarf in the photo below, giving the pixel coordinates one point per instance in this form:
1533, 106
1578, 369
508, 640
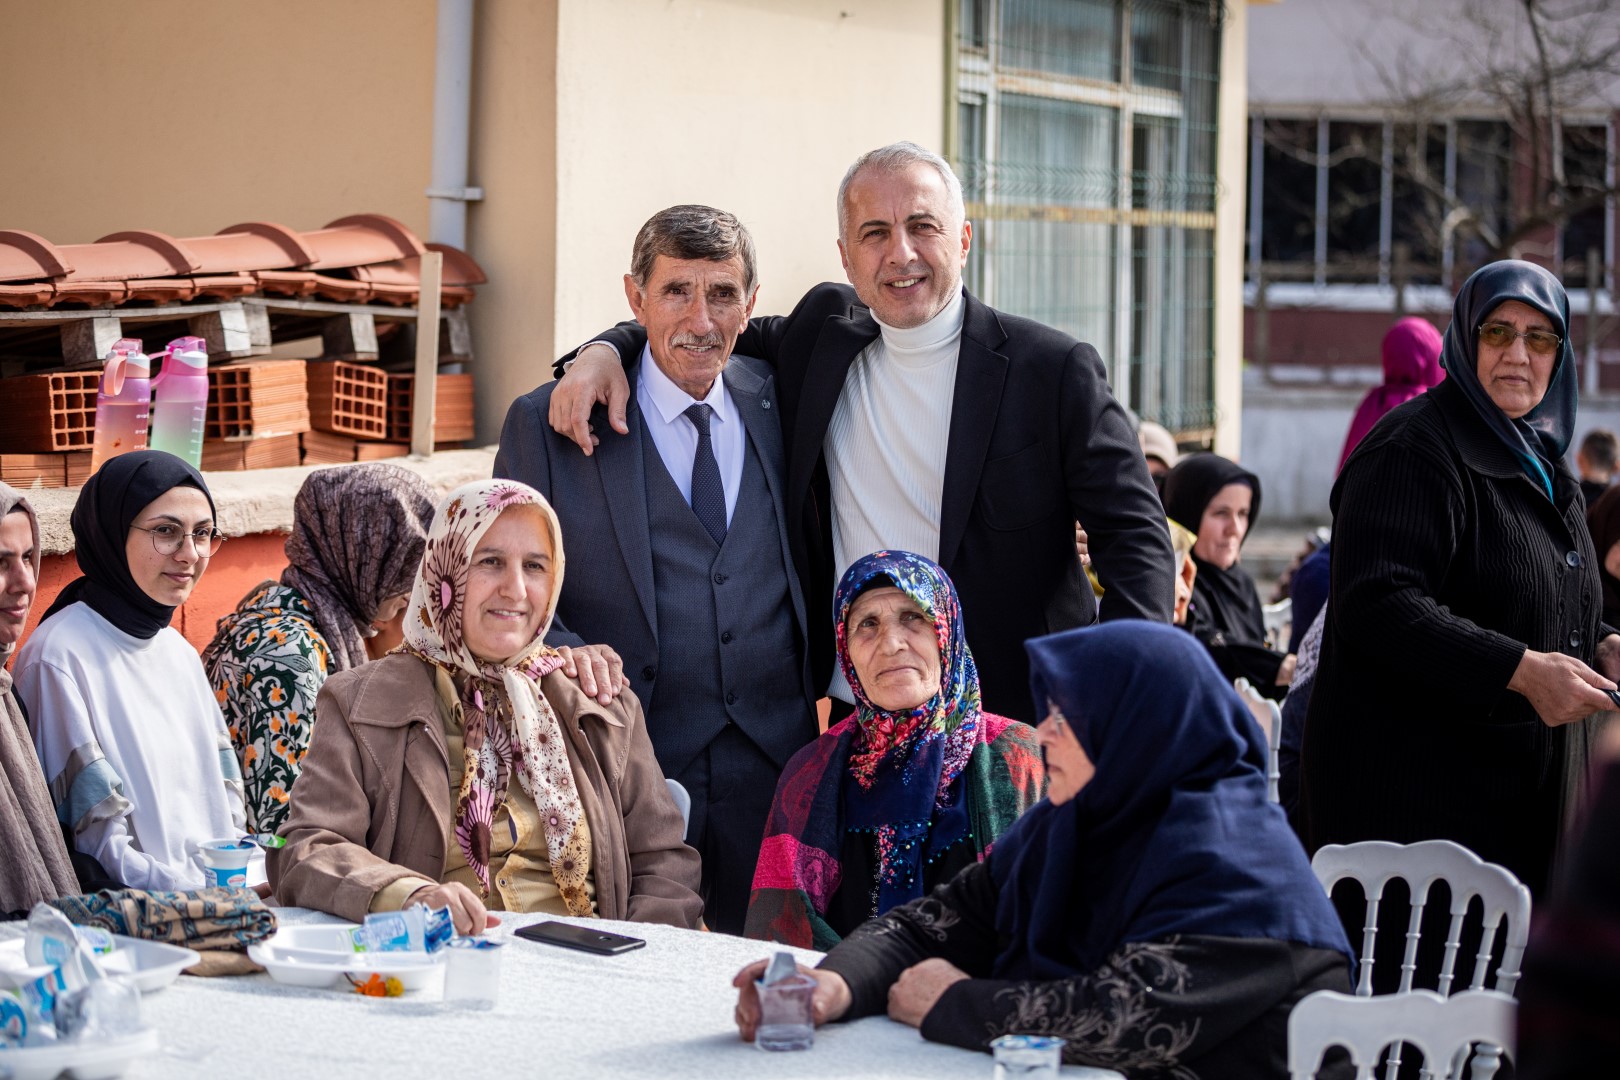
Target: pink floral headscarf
508, 720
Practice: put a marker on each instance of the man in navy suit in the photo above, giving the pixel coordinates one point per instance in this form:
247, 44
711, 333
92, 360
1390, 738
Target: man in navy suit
917, 417
677, 544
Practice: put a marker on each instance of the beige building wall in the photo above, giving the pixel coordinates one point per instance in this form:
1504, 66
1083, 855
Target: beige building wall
754, 106
186, 116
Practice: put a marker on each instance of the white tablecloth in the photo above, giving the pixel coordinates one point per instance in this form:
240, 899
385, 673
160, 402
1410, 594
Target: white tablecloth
661, 1011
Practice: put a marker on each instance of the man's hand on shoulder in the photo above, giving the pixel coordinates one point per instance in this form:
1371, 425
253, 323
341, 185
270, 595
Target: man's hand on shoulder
598, 670
596, 377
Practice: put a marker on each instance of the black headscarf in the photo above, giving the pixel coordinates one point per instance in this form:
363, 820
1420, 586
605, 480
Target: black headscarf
1224, 599
108, 505
1172, 835
1540, 437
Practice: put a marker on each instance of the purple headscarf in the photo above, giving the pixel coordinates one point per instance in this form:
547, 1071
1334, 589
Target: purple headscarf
1411, 352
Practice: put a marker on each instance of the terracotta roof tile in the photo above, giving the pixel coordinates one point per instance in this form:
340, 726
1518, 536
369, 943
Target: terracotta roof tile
26, 256
362, 258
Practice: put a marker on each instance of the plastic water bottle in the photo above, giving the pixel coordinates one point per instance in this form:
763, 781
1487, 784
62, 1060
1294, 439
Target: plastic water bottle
123, 401
180, 400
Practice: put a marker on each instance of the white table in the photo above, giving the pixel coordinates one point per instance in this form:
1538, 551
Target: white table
658, 1012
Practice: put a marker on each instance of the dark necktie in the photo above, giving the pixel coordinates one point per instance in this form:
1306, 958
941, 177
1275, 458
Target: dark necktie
708, 494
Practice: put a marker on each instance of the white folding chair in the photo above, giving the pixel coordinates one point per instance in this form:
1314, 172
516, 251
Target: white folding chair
1442, 1027
1268, 714
1374, 863
683, 802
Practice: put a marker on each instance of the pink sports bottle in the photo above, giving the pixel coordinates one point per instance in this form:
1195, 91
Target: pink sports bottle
122, 402
180, 400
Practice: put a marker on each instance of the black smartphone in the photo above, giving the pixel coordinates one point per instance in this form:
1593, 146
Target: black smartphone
1614, 696
583, 938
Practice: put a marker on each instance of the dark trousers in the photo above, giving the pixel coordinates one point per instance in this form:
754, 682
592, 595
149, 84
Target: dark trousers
732, 782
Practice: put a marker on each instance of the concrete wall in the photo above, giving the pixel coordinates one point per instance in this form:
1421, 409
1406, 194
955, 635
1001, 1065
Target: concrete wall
187, 117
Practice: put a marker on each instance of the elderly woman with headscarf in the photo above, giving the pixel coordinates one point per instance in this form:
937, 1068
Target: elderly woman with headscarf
1155, 910
37, 863
125, 723
915, 785
1466, 612
1219, 501
467, 770
1411, 355
357, 539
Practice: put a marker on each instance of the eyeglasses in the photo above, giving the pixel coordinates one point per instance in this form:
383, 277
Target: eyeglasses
166, 539
1500, 336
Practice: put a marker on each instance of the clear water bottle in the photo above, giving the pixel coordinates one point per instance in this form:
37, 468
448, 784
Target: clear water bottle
123, 402
180, 400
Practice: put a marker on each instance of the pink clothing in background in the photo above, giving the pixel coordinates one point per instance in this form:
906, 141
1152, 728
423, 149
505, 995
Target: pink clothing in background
1411, 365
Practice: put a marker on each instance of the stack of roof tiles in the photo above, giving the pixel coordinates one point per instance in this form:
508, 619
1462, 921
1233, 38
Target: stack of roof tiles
260, 413
357, 259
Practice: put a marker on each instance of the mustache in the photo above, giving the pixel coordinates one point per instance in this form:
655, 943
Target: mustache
698, 340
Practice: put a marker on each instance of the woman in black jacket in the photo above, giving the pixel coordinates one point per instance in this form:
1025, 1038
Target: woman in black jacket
1465, 615
1219, 500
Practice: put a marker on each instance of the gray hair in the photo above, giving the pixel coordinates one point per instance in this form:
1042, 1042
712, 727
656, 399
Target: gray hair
897, 156
690, 231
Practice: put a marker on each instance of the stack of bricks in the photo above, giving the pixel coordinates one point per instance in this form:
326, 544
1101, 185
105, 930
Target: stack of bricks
452, 409
256, 413
348, 410
50, 424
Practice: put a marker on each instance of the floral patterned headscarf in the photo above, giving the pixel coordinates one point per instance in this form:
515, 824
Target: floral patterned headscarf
507, 719
905, 764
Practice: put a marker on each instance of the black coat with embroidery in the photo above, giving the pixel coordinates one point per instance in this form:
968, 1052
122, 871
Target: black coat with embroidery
1190, 1007
1448, 562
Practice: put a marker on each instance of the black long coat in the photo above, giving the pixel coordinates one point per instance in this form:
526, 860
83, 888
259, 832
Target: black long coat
1448, 562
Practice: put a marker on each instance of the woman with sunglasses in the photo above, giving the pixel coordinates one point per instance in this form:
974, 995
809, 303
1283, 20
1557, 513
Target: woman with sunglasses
1464, 644
127, 728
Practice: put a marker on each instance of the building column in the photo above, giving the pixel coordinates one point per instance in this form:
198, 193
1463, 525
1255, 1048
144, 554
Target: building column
1231, 157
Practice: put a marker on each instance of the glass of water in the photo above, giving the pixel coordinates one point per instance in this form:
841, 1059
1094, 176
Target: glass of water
785, 1019
1027, 1057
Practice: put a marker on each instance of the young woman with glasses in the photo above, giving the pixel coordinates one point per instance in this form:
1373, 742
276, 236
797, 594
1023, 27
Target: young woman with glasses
126, 726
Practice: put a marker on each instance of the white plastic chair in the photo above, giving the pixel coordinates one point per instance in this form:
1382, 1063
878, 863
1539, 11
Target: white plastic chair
1374, 863
1278, 620
1443, 1028
1268, 714
683, 802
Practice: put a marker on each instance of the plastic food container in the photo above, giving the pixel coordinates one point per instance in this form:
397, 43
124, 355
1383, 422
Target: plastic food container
321, 957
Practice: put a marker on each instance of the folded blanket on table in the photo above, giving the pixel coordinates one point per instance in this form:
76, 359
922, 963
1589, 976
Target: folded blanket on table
209, 920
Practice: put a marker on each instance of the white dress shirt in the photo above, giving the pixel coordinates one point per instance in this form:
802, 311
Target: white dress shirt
663, 404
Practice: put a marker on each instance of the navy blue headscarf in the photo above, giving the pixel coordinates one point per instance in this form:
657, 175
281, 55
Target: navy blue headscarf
1173, 835
1540, 437
108, 505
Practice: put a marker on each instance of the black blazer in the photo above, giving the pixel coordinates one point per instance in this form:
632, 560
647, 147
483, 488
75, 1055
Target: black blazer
1037, 441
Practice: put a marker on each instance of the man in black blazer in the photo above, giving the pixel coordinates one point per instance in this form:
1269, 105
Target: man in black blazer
1033, 439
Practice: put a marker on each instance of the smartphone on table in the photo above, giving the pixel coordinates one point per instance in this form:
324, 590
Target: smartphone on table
583, 938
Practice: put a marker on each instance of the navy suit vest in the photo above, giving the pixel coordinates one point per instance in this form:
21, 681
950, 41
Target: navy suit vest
729, 649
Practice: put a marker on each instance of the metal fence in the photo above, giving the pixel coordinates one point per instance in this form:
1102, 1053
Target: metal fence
1085, 136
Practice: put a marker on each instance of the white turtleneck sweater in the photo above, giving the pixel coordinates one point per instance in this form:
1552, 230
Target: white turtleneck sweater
885, 447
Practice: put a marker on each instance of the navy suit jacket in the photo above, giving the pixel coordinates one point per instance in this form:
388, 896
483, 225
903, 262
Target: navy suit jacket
601, 500
1036, 442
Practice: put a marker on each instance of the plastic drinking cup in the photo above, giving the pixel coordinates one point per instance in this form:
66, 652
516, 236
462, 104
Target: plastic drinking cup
225, 862
785, 1018
1027, 1057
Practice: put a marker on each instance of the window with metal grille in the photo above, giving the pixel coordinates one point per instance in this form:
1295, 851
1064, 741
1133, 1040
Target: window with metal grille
1084, 133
